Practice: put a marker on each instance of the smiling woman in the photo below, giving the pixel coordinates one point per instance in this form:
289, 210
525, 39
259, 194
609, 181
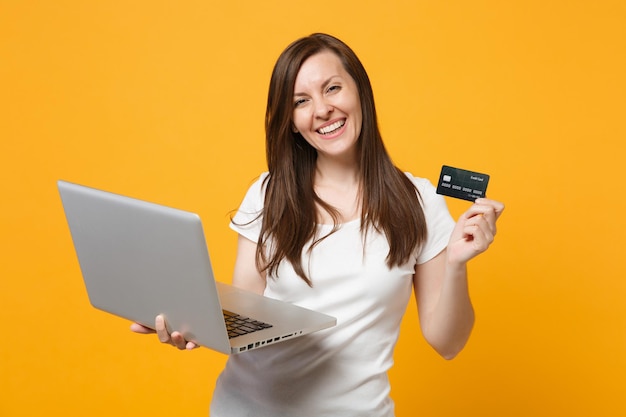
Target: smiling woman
327, 108
335, 227
328, 116
338, 178
165, 101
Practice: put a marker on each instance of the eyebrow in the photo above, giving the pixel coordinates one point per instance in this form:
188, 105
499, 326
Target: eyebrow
324, 84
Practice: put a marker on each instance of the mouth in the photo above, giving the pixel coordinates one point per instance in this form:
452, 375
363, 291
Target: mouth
331, 128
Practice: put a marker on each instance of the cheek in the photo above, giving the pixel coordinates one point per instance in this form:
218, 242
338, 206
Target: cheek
359, 119
299, 121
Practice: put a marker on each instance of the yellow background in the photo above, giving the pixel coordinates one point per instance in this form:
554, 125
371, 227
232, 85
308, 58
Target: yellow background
165, 101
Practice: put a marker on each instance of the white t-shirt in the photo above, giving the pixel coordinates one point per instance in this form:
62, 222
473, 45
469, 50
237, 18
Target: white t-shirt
341, 371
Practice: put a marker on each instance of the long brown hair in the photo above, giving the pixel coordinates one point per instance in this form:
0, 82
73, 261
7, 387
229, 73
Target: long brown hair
390, 202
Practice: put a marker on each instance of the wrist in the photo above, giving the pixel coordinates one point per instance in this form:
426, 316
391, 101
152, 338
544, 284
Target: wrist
455, 267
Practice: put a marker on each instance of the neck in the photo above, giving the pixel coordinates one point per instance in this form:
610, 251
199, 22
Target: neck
334, 172
338, 184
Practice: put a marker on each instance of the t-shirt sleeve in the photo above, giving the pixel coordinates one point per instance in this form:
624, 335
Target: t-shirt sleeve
439, 222
248, 218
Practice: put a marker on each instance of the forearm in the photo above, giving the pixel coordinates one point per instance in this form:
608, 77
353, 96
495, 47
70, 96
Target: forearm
441, 287
448, 325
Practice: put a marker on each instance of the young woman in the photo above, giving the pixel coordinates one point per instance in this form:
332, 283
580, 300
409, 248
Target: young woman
334, 226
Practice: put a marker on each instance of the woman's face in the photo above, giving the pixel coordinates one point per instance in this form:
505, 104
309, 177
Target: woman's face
327, 110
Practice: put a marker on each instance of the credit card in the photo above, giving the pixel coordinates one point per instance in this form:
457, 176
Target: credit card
461, 183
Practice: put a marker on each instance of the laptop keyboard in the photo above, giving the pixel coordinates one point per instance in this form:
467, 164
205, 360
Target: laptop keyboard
239, 325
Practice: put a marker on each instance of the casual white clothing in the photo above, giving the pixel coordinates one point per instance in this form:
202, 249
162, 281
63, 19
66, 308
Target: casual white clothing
340, 371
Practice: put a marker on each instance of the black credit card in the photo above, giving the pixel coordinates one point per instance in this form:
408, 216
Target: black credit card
461, 183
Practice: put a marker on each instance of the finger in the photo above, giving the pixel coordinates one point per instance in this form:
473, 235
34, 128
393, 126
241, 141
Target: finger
481, 210
480, 237
483, 222
178, 340
482, 218
191, 345
161, 330
497, 206
139, 328
488, 220
488, 212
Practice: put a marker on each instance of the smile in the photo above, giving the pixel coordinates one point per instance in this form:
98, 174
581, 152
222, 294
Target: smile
331, 128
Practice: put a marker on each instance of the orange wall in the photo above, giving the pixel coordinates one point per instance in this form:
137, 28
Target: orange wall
165, 101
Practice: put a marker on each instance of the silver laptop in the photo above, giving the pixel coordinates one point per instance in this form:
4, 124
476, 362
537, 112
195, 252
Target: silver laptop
140, 259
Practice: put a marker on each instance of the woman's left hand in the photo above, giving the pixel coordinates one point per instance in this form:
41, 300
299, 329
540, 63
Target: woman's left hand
474, 231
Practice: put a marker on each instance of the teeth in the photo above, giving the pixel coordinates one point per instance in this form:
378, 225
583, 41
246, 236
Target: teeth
330, 128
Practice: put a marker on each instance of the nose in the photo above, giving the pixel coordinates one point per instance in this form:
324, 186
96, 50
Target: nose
322, 109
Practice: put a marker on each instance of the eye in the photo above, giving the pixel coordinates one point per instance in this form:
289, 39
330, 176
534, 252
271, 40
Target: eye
333, 88
299, 102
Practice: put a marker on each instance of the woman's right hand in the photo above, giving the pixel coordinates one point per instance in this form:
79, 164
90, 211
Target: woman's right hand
175, 339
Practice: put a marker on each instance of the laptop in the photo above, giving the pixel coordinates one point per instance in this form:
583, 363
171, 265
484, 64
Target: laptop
139, 259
